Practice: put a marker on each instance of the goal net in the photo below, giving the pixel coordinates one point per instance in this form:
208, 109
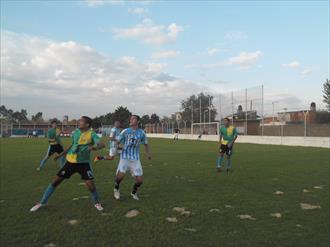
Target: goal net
207, 128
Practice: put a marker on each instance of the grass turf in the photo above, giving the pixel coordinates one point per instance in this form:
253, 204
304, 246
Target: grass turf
181, 174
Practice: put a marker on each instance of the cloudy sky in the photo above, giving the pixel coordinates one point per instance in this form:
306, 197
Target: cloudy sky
88, 57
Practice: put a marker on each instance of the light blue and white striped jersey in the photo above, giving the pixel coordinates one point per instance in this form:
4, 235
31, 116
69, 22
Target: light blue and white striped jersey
131, 140
114, 133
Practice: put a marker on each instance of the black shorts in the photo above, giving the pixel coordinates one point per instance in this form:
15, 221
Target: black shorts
57, 148
83, 169
225, 149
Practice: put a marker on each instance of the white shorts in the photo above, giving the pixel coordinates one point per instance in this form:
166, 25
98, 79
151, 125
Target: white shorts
113, 152
134, 166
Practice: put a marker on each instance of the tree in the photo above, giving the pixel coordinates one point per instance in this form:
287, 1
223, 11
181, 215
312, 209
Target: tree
17, 116
194, 102
145, 119
55, 119
122, 114
154, 118
326, 93
37, 118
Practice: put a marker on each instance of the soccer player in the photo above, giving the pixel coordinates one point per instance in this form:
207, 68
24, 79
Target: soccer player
176, 134
84, 140
130, 140
55, 145
114, 133
228, 136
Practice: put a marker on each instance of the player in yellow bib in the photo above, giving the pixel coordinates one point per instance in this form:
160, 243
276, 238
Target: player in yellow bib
84, 140
228, 136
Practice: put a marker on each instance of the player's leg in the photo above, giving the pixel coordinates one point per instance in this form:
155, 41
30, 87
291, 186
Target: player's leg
64, 173
220, 157
118, 178
229, 154
137, 172
86, 173
95, 196
111, 156
136, 186
44, 160
47, 193
120, 174
62, 159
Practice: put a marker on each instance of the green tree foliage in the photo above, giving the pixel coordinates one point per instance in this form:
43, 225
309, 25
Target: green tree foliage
37, 118
14, 116
326, 93
194, 102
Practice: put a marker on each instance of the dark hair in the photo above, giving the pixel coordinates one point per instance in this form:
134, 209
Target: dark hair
226, 118
53, 121
137, 117
88, 120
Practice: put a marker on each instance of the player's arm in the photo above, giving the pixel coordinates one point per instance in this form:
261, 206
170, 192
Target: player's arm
144, 141
112, 136
63, 153
97, 144
147, 150
220, 139
235, 137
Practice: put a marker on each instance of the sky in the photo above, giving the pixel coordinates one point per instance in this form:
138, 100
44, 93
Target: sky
89, 57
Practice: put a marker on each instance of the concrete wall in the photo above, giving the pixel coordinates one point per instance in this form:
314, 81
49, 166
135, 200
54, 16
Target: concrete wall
323, 142
317, 130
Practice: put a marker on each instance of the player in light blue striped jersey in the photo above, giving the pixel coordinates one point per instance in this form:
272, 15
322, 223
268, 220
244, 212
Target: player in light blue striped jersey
130, 140
114, 134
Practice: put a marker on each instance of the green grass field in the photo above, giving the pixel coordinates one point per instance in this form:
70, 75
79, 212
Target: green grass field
180, 175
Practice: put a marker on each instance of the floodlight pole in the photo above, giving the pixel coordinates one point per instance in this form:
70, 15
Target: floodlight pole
209, 112
246, 112
262, 112
200, 112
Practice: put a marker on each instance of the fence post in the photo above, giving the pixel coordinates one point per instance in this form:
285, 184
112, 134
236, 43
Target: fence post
246, 112
262, 109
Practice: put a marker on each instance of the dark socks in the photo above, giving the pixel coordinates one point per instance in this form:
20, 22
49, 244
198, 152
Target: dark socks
117, 183
135, 188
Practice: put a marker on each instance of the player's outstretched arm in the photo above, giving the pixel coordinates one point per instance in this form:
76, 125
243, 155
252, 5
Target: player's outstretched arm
62, 154
96, 147
147, 149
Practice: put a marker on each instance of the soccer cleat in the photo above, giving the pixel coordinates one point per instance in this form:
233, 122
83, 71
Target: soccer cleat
135, 196
98, 206
116, 194
38, 169
36, 207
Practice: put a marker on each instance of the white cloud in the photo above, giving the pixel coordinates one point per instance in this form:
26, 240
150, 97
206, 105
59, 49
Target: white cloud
245, 59
213, 51
306, 72
292, 65
236, 35
138, 11
81, 80
156, 67
165, 54
96, 3
149, 33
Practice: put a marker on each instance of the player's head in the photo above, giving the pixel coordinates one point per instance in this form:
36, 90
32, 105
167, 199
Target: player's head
134, 121
117, 124
53, 124
85, 122
226, 122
